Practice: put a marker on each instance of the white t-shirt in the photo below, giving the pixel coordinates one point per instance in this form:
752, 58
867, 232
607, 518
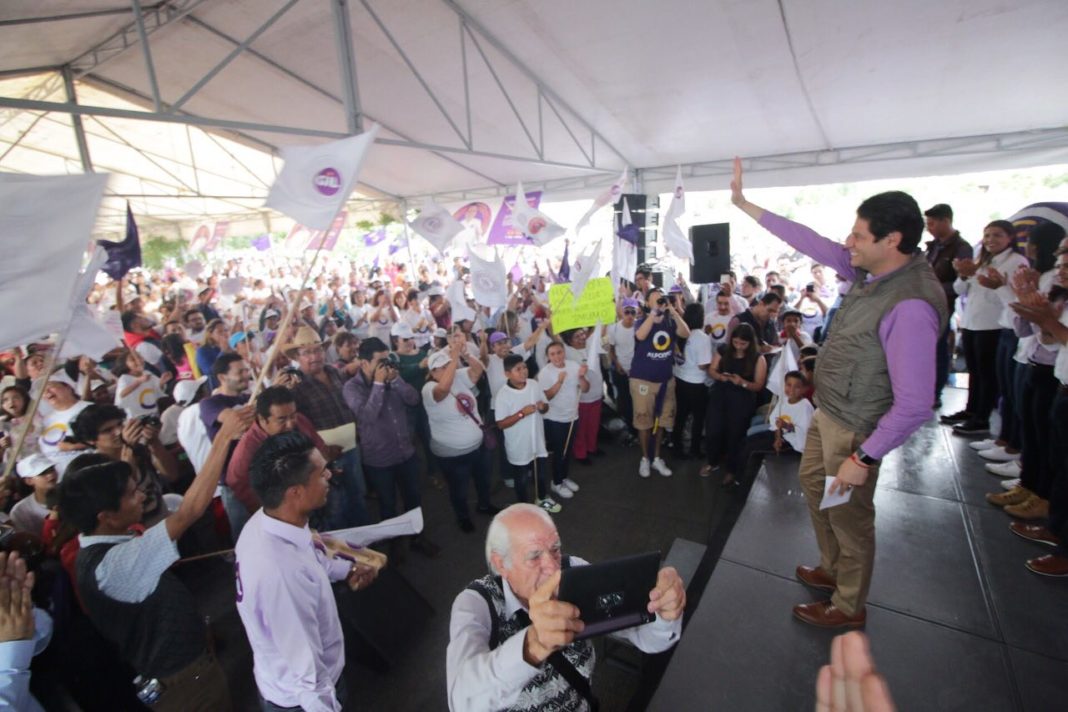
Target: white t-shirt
452, 431
717, 327
540, 357
149, 352
29, 515
55, 428
1060, 366
563, 407
697, 355
622, 339
359, 316
798, 414
495, 373
525, 440
412, 319
142, 400
168, 432
593, 375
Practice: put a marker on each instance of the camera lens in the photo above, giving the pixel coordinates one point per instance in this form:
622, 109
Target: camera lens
661, 302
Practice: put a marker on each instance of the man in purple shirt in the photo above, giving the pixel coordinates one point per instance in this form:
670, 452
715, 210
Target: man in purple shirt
874, 380
283, 576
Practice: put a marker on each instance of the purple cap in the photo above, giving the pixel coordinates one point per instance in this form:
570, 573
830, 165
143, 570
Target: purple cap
631, 302
675, 289
497, 336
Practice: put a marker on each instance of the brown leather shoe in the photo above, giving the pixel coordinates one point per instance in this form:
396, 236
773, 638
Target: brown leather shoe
826, 615
816, 578
1049, 565
1034, 532
1034, 507
1017, 495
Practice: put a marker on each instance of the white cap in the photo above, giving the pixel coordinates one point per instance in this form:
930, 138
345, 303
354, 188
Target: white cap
439, 359
402, 330
34, 465
184, 391
61, 376
440, 333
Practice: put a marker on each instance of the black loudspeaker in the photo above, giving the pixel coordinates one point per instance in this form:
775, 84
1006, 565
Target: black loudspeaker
643, 215
711, 252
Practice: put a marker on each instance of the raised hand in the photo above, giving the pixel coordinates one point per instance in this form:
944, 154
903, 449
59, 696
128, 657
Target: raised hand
736, 184
553, 623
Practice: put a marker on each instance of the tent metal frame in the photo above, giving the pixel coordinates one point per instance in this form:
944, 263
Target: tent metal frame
147, 20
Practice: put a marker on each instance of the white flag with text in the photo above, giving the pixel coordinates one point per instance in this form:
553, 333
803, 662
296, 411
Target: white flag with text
436, 225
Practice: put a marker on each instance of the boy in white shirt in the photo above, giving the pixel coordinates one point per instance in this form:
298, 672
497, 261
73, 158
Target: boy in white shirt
790, 419
521, 402
29, 513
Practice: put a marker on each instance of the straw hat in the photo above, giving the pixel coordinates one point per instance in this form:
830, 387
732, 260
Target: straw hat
306, 336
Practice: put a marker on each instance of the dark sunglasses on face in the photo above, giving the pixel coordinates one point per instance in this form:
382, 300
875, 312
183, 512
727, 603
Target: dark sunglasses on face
630, 312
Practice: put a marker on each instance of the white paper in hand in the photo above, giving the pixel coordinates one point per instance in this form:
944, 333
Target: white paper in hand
833, 500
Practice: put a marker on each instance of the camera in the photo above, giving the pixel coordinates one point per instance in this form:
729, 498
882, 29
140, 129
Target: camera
661, 302
393, 360
810, 287
150, 421
294, 372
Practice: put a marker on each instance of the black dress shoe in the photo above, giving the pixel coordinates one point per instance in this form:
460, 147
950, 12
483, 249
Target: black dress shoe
958, 417
598, 452
972, 427
467, 526
584, 461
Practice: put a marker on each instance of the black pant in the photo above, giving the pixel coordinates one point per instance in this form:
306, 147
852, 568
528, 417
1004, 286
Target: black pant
942, 361
521, 473
730, 410
556, 441
624, 404
1039, 390
756, 444
1006, 368
458, 470
980, 354
1058, 498
690, 399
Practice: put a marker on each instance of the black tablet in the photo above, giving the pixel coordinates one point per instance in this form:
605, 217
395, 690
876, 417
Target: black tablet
611, 595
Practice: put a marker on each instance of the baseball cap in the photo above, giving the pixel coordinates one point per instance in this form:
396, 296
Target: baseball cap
33, 465
402, 330
497, 336
272, 314
439, 359
631, 302
236, 339
435, 290
184, 391
440, 333
61, 376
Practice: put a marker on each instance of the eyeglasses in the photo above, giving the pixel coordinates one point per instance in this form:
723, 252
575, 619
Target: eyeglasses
630, 312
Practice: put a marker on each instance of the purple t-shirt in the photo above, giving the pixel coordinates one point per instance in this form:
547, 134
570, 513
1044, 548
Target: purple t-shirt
654, 358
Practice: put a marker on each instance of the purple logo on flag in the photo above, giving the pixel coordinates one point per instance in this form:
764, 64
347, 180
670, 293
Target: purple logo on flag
327, 181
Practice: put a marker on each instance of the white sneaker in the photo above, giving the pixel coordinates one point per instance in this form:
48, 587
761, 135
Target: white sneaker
659, 466
1005, 469
1010, 484
550, 505
570, 484
998, 454
562, 491
643, 467
983, 444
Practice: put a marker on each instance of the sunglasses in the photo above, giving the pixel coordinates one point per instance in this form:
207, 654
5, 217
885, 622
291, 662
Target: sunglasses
630, 312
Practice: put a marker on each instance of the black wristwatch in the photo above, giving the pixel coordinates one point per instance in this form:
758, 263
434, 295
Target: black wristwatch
865, 458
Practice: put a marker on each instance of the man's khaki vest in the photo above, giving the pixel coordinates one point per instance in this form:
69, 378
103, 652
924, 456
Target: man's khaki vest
852, 379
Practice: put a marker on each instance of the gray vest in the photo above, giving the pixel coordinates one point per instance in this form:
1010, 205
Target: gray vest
852, 378
548, 690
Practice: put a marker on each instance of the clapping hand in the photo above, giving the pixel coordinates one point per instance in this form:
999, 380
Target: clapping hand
965, 267
16, 603
991, 279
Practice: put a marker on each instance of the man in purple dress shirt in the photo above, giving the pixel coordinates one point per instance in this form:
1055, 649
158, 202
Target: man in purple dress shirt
284, 593
874, 380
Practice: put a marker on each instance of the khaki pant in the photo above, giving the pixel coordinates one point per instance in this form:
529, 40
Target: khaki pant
846, 533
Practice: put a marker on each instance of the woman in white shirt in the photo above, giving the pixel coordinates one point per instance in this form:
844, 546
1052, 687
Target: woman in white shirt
419, 318
456, 432
692, 381
382, 316
984, 282
562, 381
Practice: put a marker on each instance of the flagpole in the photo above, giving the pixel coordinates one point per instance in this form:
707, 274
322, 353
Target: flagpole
50, 363
408, 240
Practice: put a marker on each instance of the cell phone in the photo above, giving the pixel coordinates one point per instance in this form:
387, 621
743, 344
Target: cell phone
810, 288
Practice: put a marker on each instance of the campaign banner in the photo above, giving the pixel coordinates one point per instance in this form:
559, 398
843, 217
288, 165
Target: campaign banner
597, 304
221, 229
476, 219
503, 232
328, 239
200, 238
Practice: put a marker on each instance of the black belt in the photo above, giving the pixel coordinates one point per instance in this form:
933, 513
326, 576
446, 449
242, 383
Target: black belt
1032, 364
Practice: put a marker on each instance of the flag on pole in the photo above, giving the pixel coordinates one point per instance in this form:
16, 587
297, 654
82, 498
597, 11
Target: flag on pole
593, 346
123, 256
488, 282
374, 238
673, 238
458, 302
612, 195
316, 181
564, 274
585, 269
262, 242
784, 364
625, 255
533, 223
436, 225
43, 248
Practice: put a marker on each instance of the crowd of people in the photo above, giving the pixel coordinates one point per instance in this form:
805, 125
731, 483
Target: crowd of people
249, 415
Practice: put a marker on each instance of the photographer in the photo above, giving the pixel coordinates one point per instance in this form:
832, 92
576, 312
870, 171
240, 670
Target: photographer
652, 382
134, 441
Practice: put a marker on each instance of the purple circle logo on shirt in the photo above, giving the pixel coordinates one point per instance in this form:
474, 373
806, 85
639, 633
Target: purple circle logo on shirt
327, 181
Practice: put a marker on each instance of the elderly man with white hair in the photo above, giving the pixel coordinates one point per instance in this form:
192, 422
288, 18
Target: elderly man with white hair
512, 643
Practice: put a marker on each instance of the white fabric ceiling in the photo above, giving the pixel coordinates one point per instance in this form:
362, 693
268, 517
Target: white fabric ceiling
665, 83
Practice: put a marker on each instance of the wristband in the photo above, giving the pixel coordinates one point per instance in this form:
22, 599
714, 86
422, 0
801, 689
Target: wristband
864, 458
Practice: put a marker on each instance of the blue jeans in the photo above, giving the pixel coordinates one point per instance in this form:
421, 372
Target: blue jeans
386, 481
346, 506
235, 512
521, 473
458, 470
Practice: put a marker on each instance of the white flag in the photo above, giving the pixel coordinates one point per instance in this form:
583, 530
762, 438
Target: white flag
584, 269
625, 255
458, 302
678, 198
784, 364
436, 225
488, 282
316, 181
533, 223
87, 336
672, 236
593, 346
612, 195
42, 247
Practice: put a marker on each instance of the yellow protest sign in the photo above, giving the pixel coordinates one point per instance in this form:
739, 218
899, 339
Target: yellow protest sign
597, 303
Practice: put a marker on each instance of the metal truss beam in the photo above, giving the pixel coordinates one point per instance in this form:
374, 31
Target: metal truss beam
69, 16
76, 122
930, 148
155, 17
346, 59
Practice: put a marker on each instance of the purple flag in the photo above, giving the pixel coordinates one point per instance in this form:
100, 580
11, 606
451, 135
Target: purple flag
123, 256
516, 272
565, 268
374, 238
262, 242
399, 244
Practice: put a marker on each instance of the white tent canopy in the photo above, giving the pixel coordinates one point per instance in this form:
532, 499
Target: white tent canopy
476, 94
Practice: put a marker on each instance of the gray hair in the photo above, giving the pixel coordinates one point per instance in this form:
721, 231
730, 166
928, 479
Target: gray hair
499, 536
